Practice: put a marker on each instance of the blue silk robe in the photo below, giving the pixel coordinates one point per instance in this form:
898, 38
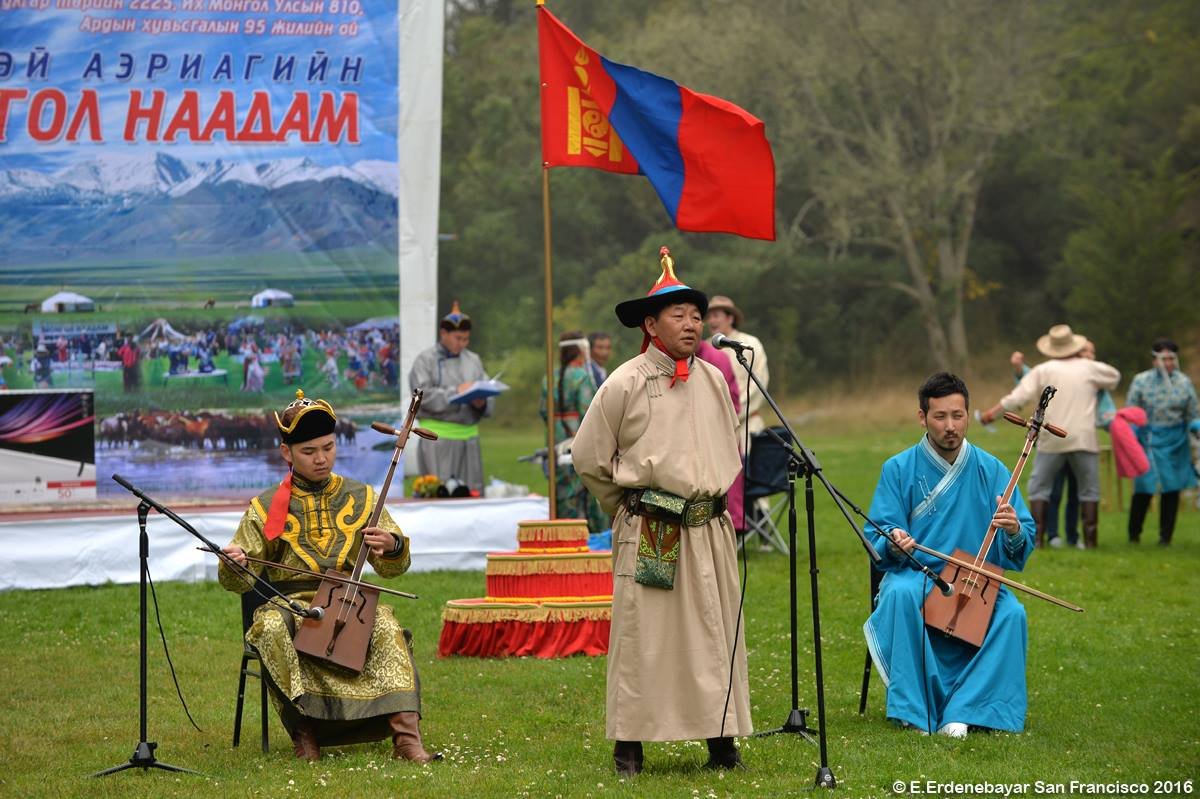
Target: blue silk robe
933, 680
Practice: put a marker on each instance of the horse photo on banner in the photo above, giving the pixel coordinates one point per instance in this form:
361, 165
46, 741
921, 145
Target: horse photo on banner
214, 190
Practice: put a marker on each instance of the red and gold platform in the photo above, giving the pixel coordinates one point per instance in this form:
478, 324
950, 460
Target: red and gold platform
550, 598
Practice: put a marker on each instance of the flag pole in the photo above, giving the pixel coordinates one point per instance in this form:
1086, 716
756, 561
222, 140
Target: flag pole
548, 280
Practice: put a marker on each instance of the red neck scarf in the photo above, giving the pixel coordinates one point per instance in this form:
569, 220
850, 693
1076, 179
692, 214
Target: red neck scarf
681, 364
278, 512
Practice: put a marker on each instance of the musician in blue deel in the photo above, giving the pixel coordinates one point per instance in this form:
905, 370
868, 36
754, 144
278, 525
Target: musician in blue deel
316, 520
944, 493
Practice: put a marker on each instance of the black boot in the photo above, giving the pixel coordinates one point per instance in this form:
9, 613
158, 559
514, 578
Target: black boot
722, 753
1138, 505
1168, 505
627, 757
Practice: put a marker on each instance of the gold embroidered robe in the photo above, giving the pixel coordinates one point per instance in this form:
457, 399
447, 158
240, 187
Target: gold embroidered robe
323, 531
669, 650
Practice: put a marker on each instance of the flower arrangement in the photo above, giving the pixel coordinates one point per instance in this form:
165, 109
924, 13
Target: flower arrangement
426, 486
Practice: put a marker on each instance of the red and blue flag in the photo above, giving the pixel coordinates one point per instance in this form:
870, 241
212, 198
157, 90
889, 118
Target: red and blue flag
708, 160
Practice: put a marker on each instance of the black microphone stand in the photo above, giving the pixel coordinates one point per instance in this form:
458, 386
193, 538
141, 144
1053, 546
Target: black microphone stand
802, 459
143, 755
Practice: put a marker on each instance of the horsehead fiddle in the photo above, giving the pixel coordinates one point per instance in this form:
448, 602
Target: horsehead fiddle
342, 634
966, 612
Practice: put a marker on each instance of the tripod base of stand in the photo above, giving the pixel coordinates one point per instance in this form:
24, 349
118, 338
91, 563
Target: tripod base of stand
143, 758
825, 778
796, 723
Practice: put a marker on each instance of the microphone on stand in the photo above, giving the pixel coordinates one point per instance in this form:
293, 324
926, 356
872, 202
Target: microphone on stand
946, 588
942, 585
721, 341
310, 613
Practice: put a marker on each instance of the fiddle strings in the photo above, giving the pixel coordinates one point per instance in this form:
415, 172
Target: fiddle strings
350, 597
1034, 426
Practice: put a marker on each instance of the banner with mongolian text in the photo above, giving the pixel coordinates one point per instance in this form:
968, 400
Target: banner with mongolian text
199, 203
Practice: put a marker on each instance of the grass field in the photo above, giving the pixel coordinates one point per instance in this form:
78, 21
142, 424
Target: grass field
1113, 693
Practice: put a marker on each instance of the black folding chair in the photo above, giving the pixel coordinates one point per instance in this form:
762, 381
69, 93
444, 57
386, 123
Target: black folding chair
876, 578
250, 602
766, 476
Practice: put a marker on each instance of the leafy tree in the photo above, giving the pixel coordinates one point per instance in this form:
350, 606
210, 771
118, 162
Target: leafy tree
906, 103
1134, 266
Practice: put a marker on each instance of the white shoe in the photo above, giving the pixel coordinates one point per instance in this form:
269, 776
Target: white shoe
1080, 545
953, 729
1056, 542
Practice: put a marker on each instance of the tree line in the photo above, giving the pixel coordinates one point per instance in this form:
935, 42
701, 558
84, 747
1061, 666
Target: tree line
953, 177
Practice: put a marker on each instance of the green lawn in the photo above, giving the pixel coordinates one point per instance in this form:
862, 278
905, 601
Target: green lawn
1113, 693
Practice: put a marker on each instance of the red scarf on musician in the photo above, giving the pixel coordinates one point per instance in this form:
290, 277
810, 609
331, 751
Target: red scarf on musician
278, 512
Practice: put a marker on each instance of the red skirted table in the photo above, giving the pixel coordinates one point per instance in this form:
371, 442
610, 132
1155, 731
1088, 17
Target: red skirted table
550, 598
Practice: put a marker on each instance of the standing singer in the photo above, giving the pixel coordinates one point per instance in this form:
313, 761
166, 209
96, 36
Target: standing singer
314, 520
657, 449
941, 493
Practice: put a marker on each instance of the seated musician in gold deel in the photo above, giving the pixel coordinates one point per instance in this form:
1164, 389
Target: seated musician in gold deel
943, 493
313, 521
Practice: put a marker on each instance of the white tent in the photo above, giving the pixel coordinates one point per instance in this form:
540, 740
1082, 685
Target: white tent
66, 301
160, 329
376, 323
269, 297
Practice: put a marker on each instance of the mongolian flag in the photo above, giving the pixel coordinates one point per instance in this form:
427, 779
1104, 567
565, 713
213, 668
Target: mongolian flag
708, 159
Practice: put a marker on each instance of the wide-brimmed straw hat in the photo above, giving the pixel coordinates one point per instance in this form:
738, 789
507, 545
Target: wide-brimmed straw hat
667, 290
722, 303
1060, 342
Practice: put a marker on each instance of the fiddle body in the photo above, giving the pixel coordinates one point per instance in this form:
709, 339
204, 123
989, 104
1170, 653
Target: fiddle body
344, 640
967, 612
342, 636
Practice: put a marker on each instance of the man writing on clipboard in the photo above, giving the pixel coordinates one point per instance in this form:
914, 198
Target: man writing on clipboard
446, 372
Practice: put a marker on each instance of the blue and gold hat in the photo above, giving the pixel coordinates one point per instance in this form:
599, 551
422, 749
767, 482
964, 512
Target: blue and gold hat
455, 320
667, 290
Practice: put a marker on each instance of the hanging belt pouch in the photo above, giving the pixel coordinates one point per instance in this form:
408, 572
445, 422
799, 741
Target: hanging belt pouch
658, 553
658, 544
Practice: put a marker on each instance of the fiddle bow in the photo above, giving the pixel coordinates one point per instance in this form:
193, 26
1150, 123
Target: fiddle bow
966, 613
342, 635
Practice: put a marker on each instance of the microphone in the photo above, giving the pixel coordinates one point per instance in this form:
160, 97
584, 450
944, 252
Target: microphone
309, 613
946, 588
721, 341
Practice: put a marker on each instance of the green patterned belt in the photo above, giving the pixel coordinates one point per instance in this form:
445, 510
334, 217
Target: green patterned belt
664, 505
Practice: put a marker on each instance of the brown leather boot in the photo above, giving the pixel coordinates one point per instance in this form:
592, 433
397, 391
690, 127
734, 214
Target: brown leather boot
1089, 513
406, 738
627, 757
1037, 509
304, 741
